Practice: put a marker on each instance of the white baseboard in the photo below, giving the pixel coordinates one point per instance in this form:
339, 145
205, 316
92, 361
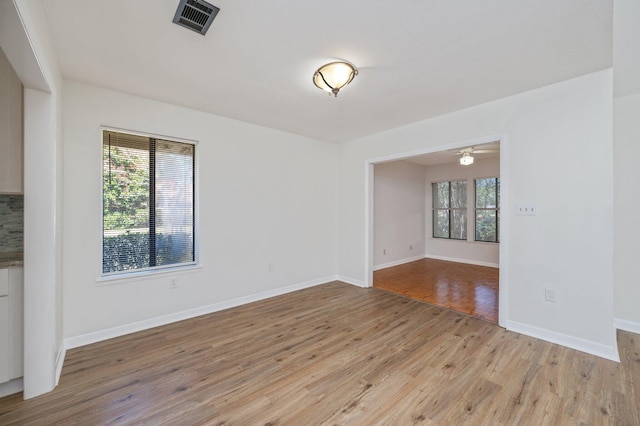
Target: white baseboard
348, 280
11, 387
587, 346
460, 260
98, 336
397, 262
60, 362
620, 324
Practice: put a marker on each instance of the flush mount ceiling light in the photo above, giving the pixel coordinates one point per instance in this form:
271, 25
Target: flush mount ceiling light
334, 76
466, 158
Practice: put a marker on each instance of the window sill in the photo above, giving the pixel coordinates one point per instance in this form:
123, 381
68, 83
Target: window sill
146, 275
464, 241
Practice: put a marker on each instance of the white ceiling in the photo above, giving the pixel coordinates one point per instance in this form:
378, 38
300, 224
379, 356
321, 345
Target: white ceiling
480, 152
417, 58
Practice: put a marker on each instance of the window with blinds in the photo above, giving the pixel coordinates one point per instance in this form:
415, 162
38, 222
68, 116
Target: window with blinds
148, 203
450, 209
488, 209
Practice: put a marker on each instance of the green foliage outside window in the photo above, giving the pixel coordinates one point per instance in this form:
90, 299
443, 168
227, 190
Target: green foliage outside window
450, 210
125, 188
147, 189
487, 209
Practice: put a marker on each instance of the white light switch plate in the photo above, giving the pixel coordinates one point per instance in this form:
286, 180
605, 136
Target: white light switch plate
526, 210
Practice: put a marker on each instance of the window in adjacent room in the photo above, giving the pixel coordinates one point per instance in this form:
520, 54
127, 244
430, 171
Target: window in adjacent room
148, 203
450, 209
487, 209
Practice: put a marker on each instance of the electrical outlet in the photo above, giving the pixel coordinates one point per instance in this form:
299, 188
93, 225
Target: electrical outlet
410, 247
173, 284
549, 295
270, 267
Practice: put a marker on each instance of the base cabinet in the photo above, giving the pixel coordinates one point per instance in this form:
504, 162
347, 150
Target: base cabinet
11, 324
4, 339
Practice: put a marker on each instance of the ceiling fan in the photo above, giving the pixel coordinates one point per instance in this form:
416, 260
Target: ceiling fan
466, 154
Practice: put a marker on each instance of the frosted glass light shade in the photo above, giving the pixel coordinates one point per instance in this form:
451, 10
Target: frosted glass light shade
466, 159
334, 76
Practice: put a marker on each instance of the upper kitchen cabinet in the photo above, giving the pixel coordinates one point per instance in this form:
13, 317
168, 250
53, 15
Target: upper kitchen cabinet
10, 129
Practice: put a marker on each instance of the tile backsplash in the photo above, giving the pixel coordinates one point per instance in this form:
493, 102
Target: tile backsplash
11, 223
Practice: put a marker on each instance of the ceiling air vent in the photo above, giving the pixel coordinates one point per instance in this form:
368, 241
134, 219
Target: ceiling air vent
196, 15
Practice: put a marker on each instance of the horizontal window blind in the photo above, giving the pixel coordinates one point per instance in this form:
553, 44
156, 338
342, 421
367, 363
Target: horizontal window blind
450, 209
148, 203
487, 210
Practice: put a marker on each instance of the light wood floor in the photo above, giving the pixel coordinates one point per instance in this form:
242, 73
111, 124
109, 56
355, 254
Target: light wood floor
470, 289
335, 354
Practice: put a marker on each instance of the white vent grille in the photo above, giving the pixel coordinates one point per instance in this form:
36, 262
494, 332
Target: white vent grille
196, 15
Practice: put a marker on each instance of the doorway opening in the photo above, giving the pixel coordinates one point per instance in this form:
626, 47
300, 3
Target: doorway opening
434, 230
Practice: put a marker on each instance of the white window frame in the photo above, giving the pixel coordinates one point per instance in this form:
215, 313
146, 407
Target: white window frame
434, 209
135, 274
496, 209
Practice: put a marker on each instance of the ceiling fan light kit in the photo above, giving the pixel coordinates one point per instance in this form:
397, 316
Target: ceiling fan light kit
332, 77
466, 159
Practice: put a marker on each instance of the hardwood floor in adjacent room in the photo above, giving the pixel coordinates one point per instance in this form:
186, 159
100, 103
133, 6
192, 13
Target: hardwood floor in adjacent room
470, 289
335, 354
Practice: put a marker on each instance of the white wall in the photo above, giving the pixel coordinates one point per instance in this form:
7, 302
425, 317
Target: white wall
626, 55
265, 196
627, 205
626, 109
556, 153
469, 251
24, 36
399, 215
